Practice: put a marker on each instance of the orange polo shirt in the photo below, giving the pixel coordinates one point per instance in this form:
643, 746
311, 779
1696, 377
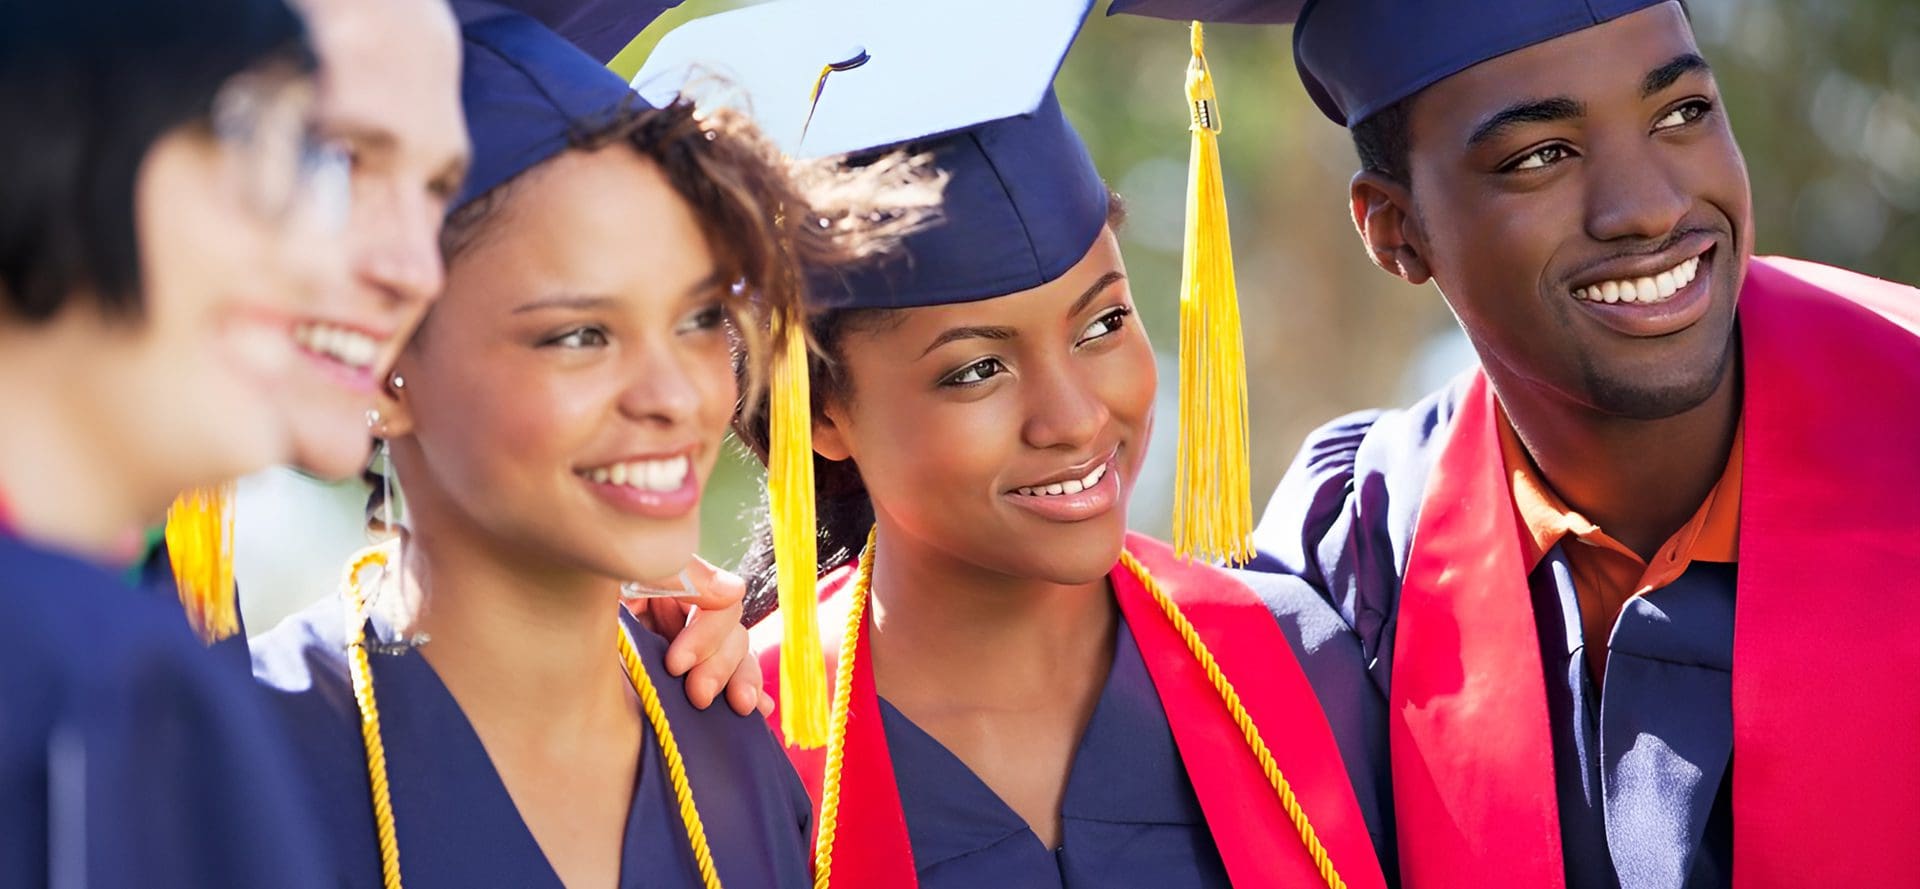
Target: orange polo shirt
1606, 574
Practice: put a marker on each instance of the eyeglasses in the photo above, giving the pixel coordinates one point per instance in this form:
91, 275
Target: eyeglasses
286, 171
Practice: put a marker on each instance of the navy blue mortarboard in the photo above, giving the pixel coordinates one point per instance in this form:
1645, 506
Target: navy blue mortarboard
527, 89
601, 28
971, 84
1357, 57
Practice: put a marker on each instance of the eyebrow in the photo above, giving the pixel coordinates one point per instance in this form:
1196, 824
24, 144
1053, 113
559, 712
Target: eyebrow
1098, 287
1666, 75
585, 301
368, 136
1530, 111
577, 301
984, 332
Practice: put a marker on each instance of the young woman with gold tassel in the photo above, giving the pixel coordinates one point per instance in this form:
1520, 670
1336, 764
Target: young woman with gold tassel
477, 708
1024, 693
161, 220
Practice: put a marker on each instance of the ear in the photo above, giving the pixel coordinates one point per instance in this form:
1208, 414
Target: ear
1383, 214
829, 439
393, 405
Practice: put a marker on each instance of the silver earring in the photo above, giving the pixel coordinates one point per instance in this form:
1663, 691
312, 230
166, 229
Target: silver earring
399, 382
373, 418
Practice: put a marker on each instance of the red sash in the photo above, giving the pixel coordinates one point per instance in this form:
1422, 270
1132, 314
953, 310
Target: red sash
1257, 843
1826, 780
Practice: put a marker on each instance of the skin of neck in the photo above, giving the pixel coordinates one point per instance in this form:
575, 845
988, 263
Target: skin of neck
1638, 480
64, 481
937, 617
524, 645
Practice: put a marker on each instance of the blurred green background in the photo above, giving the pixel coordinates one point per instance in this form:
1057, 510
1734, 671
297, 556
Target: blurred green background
1825, 98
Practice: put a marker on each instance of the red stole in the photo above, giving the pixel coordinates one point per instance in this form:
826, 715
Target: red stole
1257, 843
1826, 765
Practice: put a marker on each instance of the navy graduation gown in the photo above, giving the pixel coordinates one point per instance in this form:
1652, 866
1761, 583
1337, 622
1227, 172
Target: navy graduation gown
1129, 817
457, 825
127, 757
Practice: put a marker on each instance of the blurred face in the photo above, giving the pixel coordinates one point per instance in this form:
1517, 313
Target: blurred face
390, 97
1005, 433
565, 401
1589, 223
234, 233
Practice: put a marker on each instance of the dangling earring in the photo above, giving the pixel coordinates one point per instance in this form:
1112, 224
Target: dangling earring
373, 419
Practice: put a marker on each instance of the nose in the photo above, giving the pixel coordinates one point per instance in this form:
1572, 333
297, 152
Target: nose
398, 248
1065, 410
664, 385
1633, 195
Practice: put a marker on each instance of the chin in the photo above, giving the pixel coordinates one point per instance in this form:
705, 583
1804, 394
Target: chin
1075, 559
341, 459
1656, 396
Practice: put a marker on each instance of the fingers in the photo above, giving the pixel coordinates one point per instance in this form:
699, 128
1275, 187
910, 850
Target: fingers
714, 589
729, 658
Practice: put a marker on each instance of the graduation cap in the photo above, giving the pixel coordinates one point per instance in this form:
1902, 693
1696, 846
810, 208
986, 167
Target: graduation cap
526, 89
1357, 57
970, 85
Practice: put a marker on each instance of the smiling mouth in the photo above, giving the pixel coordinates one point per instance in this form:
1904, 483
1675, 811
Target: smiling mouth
1070, 486
1649, 290
349, 348
661, 475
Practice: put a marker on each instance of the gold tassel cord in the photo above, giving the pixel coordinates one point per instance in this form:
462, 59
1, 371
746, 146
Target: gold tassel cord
1256, 744
199, 535
1213, 507
385, 829
803, 694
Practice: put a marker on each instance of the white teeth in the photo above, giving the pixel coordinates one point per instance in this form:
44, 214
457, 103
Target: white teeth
1071, 486
349, 347
1653, 289
666, 474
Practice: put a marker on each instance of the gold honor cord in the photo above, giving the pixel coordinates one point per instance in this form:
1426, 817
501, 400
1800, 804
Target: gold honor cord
383, 820
842, 700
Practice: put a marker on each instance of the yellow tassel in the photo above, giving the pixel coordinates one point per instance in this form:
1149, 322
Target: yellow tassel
200, 546
803, 691
1213, 507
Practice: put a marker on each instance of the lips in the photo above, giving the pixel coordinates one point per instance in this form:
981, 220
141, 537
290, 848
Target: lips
349, 354
1079, 496
658, 487
1654, 299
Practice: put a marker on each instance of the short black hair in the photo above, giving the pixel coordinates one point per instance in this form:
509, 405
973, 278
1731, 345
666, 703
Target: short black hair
86, 89
1383, 142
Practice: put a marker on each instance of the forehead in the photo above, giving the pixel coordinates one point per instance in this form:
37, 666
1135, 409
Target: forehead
1044, 307
1603, 63
394, 66
570, 224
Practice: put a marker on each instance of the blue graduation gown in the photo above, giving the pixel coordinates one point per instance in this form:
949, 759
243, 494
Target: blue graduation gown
1641, 764
457, 825
127, 757
1129, 818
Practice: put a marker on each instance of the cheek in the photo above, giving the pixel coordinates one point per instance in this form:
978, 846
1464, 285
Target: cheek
919, 453
719, 389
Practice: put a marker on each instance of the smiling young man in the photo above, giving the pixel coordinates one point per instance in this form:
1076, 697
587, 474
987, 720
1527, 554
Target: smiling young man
1613, 588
